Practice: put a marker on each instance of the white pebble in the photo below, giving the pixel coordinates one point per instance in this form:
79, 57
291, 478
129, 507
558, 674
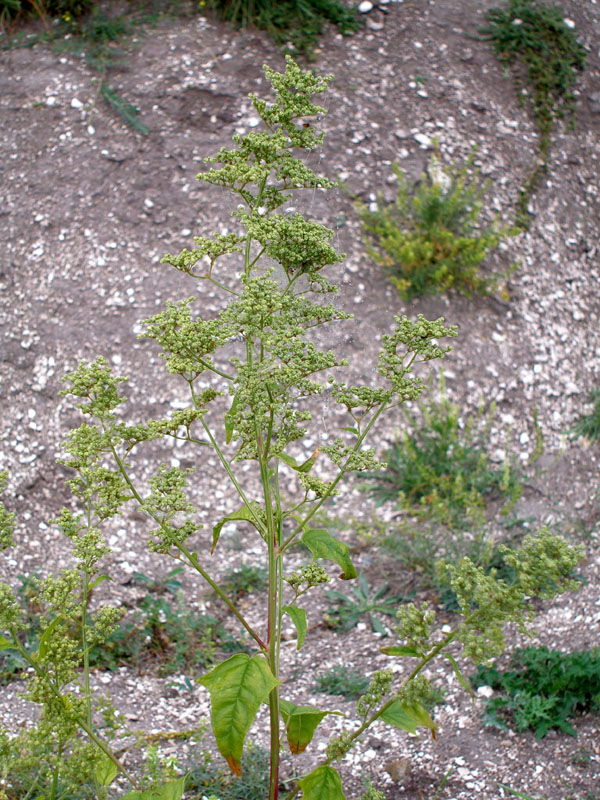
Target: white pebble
423, 139
365, 7
76, 103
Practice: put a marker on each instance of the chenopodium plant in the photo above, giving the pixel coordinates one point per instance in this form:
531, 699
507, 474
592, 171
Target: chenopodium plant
274, 374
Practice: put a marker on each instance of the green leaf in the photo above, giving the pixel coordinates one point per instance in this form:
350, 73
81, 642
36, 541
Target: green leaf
98, 581
408, 718
229, 418
352, 430
237, 688
301, 723
127, 111
106, 771
7, 644
323, 783
168, 791
378, 626
305, 467
461, 678
242, 513
322, 545
298, 617
400, 650
43, 648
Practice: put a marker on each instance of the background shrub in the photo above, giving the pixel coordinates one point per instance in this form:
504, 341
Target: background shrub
440, 468
430, 239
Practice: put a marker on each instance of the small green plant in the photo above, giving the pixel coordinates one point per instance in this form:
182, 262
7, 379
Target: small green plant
340, 680
245, 580
539, 37
439, 467
543, 690
431, 240
345, 610
295, 24
588, 425
206, 778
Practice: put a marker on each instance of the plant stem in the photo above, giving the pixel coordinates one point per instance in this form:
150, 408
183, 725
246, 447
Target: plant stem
193, 562
273, 628
56, 771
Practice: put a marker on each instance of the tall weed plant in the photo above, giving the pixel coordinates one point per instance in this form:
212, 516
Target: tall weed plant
431, 240
253, 372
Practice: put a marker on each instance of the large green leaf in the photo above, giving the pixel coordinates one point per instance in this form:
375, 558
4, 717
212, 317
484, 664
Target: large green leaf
243, 513
408, 718
106, 770
301, 723
323, 783
168, 791
237, 688
322, 545
298, 616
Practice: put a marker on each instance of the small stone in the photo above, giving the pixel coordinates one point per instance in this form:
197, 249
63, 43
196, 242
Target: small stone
91, 130
51, 101
365, 7
424, 140
485, 691
401, 133
76, 103
398, 769
374, 26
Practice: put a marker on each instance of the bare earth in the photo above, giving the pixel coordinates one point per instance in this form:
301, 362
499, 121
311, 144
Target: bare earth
87, 209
